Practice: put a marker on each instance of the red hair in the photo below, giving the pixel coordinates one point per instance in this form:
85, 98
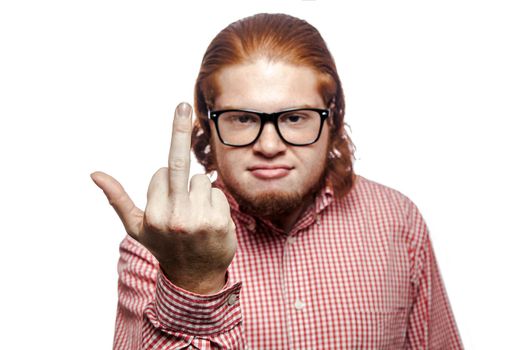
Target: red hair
276, 37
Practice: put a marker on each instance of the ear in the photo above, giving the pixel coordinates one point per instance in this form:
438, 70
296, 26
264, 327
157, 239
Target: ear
330, 120
332, 107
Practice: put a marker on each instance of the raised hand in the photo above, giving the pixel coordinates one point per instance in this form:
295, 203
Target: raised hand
189, 231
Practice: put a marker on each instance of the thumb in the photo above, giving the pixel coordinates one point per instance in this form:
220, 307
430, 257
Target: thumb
131, 216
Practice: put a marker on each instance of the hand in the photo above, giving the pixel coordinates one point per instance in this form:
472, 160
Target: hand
190, 232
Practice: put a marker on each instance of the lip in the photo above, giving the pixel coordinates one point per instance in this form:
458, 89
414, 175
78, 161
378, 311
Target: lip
270, 172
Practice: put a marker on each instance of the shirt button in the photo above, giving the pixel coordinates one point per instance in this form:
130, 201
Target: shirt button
291, 240
232, 299
299, 305
251, 226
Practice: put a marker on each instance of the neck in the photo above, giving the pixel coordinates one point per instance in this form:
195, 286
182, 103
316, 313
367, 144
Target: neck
286, 221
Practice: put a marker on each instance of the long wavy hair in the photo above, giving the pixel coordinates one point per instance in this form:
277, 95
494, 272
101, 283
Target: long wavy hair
276, 37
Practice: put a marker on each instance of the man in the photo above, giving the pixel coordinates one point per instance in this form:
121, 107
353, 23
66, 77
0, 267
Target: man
315, 256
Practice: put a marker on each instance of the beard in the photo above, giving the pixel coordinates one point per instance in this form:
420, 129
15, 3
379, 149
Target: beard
272, 203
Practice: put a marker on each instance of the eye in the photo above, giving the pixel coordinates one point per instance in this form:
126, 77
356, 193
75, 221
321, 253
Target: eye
245, 118
239, 118
294, 118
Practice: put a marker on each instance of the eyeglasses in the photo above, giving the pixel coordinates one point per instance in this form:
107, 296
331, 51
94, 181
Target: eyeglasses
296, 127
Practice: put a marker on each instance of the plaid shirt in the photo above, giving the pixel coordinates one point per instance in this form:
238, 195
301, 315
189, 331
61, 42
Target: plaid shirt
354, 273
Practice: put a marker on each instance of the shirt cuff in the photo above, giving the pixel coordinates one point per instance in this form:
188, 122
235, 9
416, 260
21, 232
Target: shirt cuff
181, 311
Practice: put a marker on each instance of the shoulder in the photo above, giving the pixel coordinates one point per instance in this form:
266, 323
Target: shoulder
387, 207
374, 194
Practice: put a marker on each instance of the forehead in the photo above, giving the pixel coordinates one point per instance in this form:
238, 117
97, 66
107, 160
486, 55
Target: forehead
267, 86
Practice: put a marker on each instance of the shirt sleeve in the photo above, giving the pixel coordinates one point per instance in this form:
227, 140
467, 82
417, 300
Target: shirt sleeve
153, 313
431, 321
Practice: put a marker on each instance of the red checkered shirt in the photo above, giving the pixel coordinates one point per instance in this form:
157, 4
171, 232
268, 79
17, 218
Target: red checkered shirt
354, 273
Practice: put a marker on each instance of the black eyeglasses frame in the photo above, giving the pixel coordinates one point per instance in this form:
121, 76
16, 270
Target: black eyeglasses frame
268, 117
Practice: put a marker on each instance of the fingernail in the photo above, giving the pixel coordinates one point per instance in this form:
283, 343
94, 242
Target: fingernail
93, 178
183, 110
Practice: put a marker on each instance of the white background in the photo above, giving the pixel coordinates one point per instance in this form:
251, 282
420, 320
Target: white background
435, 94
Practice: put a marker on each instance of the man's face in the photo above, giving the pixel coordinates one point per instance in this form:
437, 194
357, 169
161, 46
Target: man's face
270, 177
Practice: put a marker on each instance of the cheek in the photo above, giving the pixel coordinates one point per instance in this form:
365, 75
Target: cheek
227, 159
230, 161
320, 152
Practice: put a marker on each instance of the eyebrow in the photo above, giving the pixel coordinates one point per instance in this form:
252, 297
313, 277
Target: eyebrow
282, 109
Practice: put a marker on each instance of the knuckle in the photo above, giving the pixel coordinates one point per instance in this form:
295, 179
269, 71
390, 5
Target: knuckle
223, 226
179, 163
154, 217
176, 225
157, 178
202, 223
200, 179
182, 125
232, 225
218, 194
220, 201
117, 201
161, 172
152, 221
219, 224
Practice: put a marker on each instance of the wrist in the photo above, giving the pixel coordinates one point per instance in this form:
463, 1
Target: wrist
179, 310
198, 283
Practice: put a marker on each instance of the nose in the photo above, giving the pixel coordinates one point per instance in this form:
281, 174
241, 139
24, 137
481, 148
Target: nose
269, 143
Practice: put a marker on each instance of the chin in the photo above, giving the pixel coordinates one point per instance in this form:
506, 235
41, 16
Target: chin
268, 187
269, 203
270, 197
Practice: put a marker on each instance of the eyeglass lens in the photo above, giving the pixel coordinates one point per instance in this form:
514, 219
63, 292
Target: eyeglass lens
297, 127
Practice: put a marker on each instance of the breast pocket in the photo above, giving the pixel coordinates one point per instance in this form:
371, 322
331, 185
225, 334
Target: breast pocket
381, 329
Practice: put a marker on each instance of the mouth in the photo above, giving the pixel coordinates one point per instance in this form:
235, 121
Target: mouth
270, 172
